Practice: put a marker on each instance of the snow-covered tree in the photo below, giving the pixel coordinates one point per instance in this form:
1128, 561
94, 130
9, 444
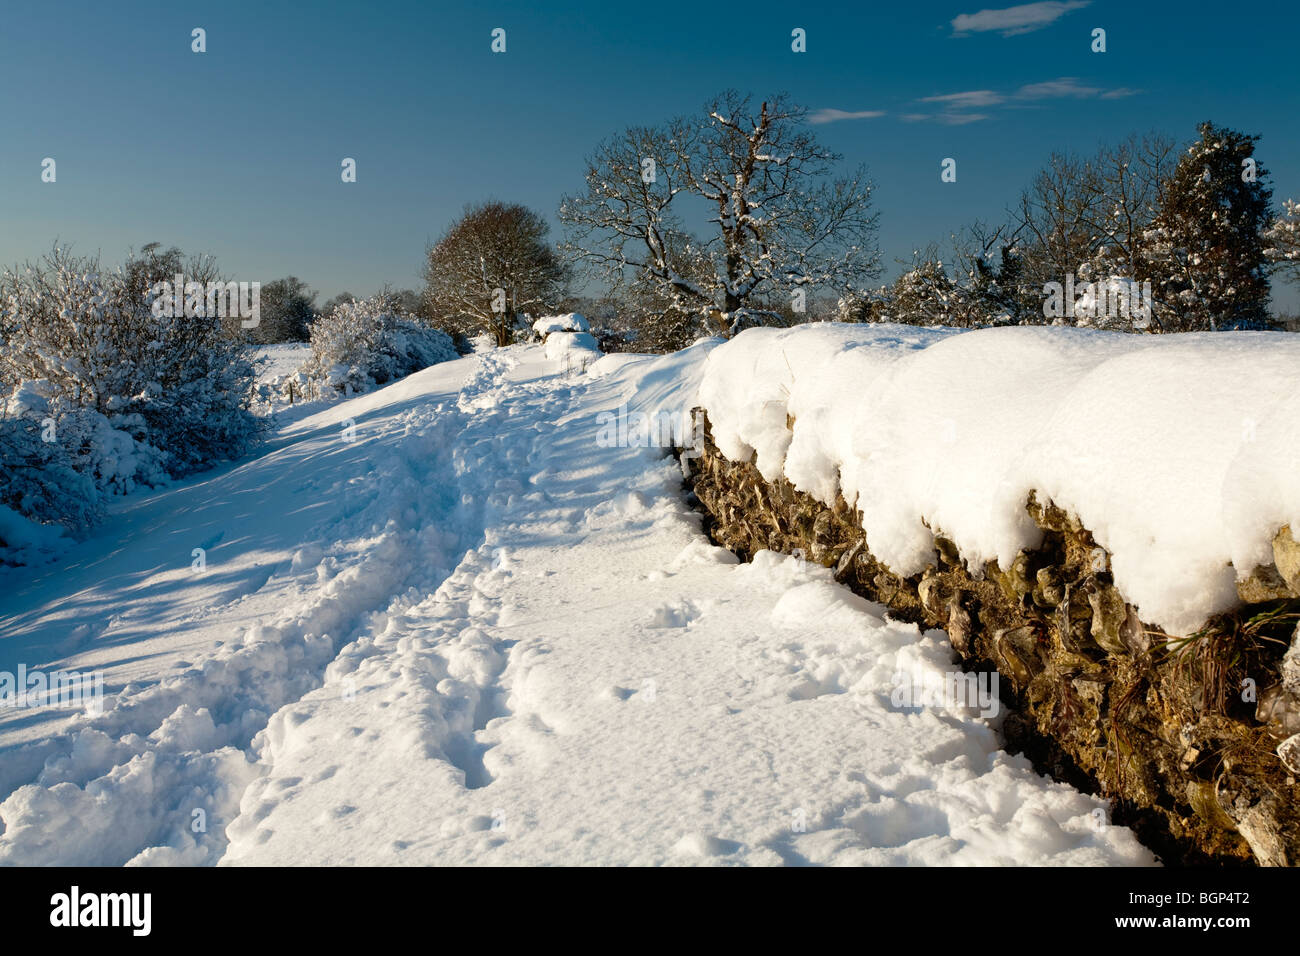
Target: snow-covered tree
40, 480
1206, 248
1086, 217
989, 266
1282, 241
924, 295
776, 220
287, 307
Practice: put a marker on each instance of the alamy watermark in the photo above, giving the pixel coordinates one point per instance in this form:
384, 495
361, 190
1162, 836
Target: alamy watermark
214, 299
660, 429
1113, 298
928, 688
35, 688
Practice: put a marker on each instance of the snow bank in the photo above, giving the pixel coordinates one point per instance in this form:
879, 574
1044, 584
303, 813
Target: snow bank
1180, 453
23, 541
569, 322
572, 347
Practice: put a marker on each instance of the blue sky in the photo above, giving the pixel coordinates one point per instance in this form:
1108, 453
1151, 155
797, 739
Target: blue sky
237, 151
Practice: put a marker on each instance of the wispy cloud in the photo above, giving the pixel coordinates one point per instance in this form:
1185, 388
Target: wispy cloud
1067, 87
967, 100
954, 106
947, 119
1010, 21
834, 116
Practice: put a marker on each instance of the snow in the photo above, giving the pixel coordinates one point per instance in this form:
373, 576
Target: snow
1180, 453
301, 545
23, 541
569, 322
468, 632
574, 348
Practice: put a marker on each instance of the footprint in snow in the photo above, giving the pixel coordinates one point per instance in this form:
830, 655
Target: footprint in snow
676, 614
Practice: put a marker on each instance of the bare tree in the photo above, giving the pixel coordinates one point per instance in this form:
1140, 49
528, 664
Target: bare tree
491, 266
776, 221
1127, 185
1055, 215
624, 224
1091, 217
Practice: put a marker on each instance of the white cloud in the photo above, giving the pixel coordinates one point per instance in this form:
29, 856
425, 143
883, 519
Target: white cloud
947, 119
953, 106
1067, 87
959, 119
834, 116
966, 100
1011, 21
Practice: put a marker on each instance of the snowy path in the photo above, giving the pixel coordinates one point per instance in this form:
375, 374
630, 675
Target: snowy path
536, 657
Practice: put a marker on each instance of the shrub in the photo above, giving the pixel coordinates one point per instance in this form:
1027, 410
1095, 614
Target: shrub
40, 480
98, 394
177, 383
368, 342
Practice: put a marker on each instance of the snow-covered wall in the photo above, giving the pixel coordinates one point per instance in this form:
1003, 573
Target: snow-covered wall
1180, 453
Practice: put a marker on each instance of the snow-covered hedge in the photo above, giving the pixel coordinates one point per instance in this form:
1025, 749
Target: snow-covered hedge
93, 381
179, 384
369, 342
61, 462
1180, 453
41, 493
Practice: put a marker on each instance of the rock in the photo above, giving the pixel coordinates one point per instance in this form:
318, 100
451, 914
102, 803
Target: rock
822, 527
1203, 797
1133, 634
1109, 613
1264, 584
1291, 665
845, 562
1279, 711
1049, 593
1018, 576
1286, 555
1256, 811
959, 624
1017, 650
948, 553
927, 589
1288, 751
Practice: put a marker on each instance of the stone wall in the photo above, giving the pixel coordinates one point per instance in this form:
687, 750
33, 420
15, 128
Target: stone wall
1181, 733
